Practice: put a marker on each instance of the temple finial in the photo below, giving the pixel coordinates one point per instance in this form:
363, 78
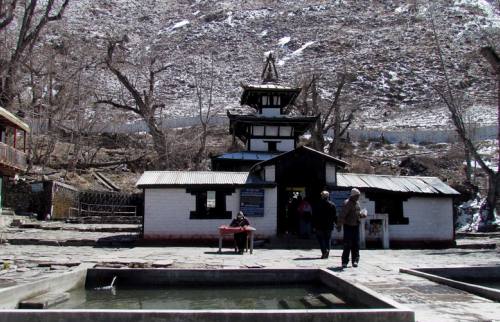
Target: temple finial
269, 73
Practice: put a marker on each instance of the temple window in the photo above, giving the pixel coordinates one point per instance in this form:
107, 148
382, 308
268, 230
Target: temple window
266, 100
258, 130
285, 131
272, 130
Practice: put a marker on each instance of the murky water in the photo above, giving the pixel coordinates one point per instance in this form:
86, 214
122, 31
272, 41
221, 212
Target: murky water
197, 298
491, 284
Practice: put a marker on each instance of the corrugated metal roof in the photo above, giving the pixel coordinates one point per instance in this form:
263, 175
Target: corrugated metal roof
270, 86
172, 178
248, 155
426, 185
14, 120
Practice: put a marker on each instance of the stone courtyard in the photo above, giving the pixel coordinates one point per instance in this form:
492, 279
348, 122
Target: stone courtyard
36, 252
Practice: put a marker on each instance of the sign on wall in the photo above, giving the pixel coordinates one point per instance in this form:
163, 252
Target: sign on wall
338, 197
252, 202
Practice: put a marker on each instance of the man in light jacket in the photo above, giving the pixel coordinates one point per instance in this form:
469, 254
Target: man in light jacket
350, 219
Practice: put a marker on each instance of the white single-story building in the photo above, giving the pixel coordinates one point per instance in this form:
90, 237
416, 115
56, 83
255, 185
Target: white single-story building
190, 205
182, 205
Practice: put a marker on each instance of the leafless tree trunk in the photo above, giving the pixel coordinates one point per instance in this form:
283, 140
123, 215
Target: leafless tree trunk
494, 177
145, 104
333, 116
29, 32
448, 96
204, 80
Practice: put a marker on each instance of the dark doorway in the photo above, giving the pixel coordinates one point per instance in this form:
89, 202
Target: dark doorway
298, 174
288, 222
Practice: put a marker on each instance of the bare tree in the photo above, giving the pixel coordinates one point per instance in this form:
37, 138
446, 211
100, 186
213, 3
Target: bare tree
7, 12
204, 80
334, 115
455, 105
144, 100
34, 18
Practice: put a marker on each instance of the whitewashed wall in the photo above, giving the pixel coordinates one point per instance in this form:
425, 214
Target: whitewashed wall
282, 145
167, 211
430, 219
270, 173
271, 111
331, 173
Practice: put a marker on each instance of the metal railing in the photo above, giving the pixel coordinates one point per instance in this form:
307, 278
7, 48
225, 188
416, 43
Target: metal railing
87, 210
12, 157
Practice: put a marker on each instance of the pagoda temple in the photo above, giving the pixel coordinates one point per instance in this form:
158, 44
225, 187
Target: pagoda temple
270, 130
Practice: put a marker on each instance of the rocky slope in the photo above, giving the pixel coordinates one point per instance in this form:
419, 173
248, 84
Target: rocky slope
388, 45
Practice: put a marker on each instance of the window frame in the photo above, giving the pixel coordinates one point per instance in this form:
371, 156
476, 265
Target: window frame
202, 211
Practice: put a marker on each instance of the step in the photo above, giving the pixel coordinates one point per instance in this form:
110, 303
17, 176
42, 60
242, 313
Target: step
291, 304
312, 302
44, 301
330, 299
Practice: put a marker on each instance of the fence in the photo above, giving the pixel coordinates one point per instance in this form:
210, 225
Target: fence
12, 157
90, 210
481, 132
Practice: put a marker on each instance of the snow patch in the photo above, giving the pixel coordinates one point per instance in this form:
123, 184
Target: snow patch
472, 216
402, 9
491, 14
297, 52
229, 19
180, 24
301, 49
283, 41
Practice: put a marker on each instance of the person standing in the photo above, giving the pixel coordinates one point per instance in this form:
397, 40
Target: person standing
241, 237
349, 219
305, 215
324, 218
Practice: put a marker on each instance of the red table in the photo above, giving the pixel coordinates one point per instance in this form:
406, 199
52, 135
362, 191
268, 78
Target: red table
228, 230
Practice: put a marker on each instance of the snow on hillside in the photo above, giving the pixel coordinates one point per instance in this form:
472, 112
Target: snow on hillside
388, 45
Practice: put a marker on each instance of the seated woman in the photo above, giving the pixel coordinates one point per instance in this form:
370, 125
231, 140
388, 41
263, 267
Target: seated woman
240, 238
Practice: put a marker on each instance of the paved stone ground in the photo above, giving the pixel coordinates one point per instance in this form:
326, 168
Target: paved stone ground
378, 270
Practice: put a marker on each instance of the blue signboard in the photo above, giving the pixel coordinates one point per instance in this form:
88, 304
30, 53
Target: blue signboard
252, 202
338, 197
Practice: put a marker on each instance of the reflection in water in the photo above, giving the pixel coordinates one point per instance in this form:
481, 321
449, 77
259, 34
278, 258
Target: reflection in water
196, 298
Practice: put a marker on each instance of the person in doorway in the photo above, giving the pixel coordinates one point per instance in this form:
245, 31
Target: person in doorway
305, 216
349, 219
324, 219
241, 237
292, 214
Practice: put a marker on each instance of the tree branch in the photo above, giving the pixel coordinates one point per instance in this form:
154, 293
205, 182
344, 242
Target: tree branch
7, 16
121, 77
119, 106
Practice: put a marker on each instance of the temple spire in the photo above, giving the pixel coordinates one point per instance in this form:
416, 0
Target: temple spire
269, 73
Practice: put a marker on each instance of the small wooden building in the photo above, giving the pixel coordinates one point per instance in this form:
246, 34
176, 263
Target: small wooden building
12, 147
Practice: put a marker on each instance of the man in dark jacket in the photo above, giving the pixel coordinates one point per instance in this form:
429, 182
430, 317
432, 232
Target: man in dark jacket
240, 238
350, 219
324, 218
